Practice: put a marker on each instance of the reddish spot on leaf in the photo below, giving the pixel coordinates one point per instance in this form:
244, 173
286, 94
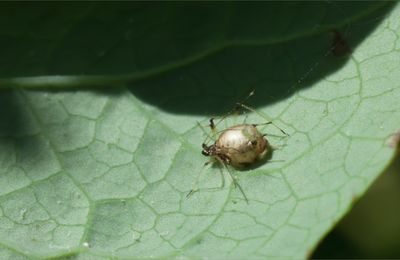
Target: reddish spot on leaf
394, 140
339, 45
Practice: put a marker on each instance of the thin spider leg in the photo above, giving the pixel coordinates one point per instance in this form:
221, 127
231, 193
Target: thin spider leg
208, 137
277, 136
221, 173
196, 181
213, 127
275, 161
233, 110
276, 147
263, 116
266, 123
245, 118
235, 183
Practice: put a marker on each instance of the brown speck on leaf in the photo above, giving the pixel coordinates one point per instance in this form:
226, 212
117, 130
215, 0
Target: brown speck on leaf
394, 140
339, 47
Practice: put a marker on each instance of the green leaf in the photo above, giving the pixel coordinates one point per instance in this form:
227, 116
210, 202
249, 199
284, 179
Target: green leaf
105, 173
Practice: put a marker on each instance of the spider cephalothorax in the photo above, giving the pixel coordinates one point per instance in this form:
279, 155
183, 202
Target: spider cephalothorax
215, 151
208, 150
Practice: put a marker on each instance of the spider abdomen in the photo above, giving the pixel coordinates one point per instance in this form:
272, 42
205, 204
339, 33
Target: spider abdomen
242, 144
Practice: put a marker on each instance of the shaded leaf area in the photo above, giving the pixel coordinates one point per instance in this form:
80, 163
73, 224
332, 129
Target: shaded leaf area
97, 174
139, 40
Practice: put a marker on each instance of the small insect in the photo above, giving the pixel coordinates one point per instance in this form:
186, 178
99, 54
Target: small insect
238, 146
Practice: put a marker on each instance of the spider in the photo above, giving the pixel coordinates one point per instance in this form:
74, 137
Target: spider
238, 146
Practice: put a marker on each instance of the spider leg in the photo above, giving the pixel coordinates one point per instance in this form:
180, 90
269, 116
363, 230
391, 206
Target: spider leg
261, 115
236, 109
208, 136
233, 178
196, 181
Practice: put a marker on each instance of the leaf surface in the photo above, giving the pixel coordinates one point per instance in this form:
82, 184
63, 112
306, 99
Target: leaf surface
105, 173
